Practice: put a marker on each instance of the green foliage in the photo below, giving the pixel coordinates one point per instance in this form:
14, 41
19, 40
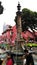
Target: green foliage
29, 19
32, 44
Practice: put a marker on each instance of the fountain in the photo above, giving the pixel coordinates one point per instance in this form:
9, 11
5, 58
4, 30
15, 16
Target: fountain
19, 40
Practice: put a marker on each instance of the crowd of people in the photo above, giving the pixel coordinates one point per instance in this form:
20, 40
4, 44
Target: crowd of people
27, 59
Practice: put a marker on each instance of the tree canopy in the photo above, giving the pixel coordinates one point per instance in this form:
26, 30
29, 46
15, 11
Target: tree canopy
29, 19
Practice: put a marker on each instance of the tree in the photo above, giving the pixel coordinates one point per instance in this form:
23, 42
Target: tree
28, 19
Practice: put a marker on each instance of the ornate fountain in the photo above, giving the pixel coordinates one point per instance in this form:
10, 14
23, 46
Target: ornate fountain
19, 40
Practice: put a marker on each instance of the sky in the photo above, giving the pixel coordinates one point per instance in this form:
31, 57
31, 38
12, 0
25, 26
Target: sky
10, 9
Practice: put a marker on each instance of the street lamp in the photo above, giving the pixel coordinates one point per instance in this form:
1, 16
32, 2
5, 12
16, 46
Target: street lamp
1, 8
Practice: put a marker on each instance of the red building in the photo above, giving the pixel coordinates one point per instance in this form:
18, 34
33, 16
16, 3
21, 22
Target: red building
11, 33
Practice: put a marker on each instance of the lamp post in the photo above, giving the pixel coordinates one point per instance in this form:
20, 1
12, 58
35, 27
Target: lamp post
1, 8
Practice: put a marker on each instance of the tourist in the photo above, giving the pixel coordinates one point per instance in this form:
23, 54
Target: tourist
9, 59
24, 60
1, 61
29, 58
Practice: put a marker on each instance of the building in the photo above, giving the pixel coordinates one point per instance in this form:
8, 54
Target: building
27, 35
8, 33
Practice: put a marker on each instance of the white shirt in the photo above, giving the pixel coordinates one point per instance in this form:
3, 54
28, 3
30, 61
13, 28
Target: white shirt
24, 61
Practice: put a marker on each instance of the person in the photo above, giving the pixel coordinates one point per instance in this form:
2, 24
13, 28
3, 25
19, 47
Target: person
1, 61
29, 58
9, 59
24, 60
